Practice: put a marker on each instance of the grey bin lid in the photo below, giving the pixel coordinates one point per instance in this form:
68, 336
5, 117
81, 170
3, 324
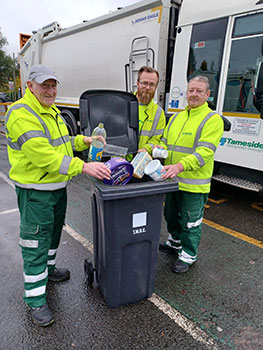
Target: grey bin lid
117, 110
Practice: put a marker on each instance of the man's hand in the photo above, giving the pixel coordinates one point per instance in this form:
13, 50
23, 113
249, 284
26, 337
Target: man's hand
88, 139
97, 169
142, 150
158, 147
172, 170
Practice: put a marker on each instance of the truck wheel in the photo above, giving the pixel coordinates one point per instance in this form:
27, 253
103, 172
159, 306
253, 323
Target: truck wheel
70, 120
89, 272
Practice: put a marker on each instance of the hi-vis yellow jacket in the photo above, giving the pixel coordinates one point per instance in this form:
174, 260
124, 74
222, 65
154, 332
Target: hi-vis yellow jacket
40, 149
191, 138
151, 126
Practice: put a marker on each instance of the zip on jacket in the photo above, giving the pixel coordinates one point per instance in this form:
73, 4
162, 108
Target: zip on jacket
191, 138
152, 125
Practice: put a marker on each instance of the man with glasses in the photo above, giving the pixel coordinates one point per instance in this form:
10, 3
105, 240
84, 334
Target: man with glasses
40, 153
151, 116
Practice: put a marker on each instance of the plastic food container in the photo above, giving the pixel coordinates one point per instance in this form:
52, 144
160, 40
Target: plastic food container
121, 171
153, 169
139, 163
159, 153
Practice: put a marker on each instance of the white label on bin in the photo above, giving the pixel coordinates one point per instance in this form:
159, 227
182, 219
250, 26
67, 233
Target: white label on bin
139, 221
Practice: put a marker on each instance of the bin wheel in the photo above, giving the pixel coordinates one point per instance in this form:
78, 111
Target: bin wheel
89, 272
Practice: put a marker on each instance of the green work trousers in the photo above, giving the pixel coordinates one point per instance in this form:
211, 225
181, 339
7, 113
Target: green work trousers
42, 215
183, 213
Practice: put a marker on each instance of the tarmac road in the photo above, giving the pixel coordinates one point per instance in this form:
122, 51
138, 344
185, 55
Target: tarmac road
216, 305
83, 321
237, 209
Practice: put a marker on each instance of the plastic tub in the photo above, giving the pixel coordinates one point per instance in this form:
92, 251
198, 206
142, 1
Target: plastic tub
121, 171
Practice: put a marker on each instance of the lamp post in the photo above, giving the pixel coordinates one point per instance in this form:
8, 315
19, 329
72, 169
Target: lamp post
14, 75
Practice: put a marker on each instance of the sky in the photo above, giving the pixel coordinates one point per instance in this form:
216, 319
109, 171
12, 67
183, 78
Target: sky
24, 16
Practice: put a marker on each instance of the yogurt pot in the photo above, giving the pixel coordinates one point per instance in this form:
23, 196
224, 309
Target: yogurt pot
153, 169
159, 153
121, 171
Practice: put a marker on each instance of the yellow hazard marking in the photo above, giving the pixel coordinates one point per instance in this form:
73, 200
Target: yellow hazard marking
65, 104
241, 115
156, 9
217, 201
234, 233
174, 110
258, 206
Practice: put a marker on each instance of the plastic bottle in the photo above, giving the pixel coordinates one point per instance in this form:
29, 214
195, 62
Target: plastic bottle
97, 147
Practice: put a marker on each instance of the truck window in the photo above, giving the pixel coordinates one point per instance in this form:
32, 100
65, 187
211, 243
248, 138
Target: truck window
245, 57
206, 50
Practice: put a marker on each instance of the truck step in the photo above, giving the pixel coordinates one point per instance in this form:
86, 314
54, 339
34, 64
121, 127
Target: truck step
239, 183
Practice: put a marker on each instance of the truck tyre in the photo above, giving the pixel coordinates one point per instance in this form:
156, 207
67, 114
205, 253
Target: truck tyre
71, 121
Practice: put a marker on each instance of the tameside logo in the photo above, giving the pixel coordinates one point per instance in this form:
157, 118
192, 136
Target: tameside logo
228, 141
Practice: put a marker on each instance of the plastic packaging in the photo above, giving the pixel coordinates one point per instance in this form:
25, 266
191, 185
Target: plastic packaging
159, 153
97, 147
153, 169
139, 163
121, 171
116, 150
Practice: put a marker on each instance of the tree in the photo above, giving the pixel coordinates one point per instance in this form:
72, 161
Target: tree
6, 65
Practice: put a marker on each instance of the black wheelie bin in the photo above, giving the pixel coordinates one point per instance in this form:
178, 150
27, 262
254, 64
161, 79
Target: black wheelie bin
126, 218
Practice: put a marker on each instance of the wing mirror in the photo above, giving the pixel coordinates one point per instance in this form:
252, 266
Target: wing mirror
259, 78
258, 98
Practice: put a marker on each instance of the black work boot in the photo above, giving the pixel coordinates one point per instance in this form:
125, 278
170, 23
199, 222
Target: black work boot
59, 275
180, 266
167, 247
42, 315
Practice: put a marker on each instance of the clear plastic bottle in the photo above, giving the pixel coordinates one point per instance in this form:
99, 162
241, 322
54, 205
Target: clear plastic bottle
97, 147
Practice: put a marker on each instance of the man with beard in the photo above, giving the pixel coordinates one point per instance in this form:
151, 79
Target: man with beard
151, 116
191, 138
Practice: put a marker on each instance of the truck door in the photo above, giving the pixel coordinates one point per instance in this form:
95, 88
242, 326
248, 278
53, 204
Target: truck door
245, 58
205, 55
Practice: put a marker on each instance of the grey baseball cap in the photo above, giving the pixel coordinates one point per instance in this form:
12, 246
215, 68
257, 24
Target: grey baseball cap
40, 73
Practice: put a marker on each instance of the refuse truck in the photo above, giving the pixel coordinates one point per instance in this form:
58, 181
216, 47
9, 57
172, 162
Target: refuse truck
180, 39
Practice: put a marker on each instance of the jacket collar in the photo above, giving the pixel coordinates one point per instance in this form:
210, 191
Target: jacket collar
197, 110
36, 105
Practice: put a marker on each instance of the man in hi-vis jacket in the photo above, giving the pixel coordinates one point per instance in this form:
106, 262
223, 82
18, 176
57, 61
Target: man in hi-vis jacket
40, 153
191, 138
151, 116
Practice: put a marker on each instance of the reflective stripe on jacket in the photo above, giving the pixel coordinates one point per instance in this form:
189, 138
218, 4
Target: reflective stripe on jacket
191, 138
40, 149
153, 126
